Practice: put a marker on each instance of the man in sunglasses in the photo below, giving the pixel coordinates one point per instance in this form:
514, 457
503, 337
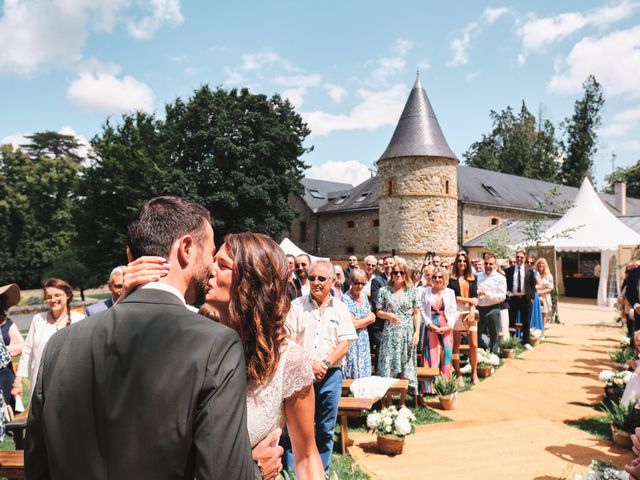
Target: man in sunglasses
380, 281
492, 290
370, 265
323, 326
301, 280
521, 288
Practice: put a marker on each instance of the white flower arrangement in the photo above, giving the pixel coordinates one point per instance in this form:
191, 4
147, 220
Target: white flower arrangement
390, 421
535, 333
487, 359
614, 379
602, 471
625, 342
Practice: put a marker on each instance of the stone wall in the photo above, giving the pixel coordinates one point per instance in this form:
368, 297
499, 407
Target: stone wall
475, 219
341, 230
418, 207
305, 219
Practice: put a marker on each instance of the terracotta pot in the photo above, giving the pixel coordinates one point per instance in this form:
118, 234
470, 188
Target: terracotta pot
484, 372
622, 438
509, 352
613, 394
449, 402
533, 341
390, 444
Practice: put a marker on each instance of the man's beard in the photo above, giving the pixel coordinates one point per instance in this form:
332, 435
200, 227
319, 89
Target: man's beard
303, 274
198, 284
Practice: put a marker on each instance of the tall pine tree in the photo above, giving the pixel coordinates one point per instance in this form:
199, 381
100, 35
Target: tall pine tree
581, 142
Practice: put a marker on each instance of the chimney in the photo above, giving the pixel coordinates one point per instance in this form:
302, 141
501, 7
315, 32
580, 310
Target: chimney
621, 197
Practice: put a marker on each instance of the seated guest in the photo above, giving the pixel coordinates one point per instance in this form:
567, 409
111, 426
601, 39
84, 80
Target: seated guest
398, 306
358, 361
115, 287
9, 296
439, 313
463, 282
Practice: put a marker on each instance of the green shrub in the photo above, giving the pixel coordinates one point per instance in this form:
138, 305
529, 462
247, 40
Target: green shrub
445, 386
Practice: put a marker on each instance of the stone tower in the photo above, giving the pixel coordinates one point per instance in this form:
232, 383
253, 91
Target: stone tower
418, 183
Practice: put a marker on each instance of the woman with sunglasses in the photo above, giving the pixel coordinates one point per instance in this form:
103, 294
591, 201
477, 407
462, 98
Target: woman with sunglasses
535, 319
398, 305
358, 361
465, 286
439, 313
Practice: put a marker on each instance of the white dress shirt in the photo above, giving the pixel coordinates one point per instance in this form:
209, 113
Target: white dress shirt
494, 286
320, 333
514, 286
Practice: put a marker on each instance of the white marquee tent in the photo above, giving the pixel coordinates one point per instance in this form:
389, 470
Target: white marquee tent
290, 248
589, 226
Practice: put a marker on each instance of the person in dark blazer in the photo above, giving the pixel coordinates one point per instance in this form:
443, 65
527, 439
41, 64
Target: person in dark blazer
380, 281
149, 389
630, 289
521, 288
116, 277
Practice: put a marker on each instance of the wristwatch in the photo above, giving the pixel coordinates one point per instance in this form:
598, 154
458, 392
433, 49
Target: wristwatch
326, 363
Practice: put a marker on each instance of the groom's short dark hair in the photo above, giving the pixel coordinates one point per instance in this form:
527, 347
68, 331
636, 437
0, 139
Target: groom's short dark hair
161, 221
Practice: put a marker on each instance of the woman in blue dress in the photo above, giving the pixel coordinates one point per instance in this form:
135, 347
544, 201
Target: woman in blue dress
535, 320
358, 361
9, 296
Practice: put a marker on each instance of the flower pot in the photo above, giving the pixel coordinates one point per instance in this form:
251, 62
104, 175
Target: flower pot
533, 341
484, 372
509, 352
622, 438
390, 444
449, 402
613, 394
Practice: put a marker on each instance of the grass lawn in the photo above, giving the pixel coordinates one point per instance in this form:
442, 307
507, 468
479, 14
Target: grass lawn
598, 425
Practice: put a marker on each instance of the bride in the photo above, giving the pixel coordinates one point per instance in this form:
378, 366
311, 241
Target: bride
247, 291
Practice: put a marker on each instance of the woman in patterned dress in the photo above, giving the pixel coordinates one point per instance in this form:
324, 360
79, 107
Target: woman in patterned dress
358, 362
398, 305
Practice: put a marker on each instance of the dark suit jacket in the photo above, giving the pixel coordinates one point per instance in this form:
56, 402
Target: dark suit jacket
529, 281
632, 286
99, 307
454, 285
146, 389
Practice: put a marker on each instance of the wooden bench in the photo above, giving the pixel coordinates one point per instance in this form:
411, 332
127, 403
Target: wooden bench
12, 463
350, 407
16, 428
401, 387
425, 374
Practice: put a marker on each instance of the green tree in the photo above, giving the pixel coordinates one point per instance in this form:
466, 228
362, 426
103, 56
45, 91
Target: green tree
629, 175
517, 145
581, 141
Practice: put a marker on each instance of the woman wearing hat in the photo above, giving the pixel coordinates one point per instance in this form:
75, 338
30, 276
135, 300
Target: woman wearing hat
9, 296
58, 295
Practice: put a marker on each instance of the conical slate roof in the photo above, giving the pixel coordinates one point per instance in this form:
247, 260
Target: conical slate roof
418, 132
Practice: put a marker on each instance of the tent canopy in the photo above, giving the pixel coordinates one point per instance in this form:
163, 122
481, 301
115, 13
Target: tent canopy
589, 226
290, 248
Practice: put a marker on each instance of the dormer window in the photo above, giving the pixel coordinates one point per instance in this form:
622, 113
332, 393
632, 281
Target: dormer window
537, 198
316, 194
491, 190
341, 200
362, 197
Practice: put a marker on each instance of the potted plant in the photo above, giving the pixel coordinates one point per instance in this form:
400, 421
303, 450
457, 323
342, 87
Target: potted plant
620, 356
601, 470
614, 383
508, 347
447, 390
622, 417
391, 427
534, 336
486, 363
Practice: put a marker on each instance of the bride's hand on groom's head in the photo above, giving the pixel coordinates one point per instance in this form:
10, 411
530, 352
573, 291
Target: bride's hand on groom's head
143, 270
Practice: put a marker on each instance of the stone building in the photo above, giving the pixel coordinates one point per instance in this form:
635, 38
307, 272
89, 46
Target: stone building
422, 199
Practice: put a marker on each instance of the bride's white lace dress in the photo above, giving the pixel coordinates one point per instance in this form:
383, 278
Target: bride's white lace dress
265, 404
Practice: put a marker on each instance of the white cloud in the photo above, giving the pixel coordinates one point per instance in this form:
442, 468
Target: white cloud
389, 67
491, 15
460, 46
107, 92
335, 92
350, 171
255, 61
614, 60
402, 46
41, 33
377, 108
15, 139
191, 71
162, 12
471, 76
622, 123
234, 78
299, 85
537, 33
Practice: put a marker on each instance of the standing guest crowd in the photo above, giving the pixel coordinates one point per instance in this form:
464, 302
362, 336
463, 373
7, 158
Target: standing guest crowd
301, 327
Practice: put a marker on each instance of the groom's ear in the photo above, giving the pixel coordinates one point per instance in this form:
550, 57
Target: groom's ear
129, 255
186, 250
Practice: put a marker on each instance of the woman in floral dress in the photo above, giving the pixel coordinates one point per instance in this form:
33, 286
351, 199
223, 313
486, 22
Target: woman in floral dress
398, 304
358, 361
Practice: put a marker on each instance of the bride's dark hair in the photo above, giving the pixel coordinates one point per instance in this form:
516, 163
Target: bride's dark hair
259, 301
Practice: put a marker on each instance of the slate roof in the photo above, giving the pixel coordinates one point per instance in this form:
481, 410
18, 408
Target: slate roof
363, 196
317, 192
418, 132
512, 229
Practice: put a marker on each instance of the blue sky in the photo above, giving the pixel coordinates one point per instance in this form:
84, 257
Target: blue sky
67, 65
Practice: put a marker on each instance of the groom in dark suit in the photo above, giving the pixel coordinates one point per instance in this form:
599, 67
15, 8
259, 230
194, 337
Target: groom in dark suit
146, 389
521, 288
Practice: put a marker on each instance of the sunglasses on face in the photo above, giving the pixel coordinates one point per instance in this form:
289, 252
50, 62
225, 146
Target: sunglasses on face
371, 265
529, 262
399, 274
437, 277
359, 284
321, 279
300, 265
519, 258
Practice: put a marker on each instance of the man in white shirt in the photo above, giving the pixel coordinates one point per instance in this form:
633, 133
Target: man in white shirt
323, 325
492, 290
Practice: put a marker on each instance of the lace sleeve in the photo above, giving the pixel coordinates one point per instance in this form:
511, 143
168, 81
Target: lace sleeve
297, 370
